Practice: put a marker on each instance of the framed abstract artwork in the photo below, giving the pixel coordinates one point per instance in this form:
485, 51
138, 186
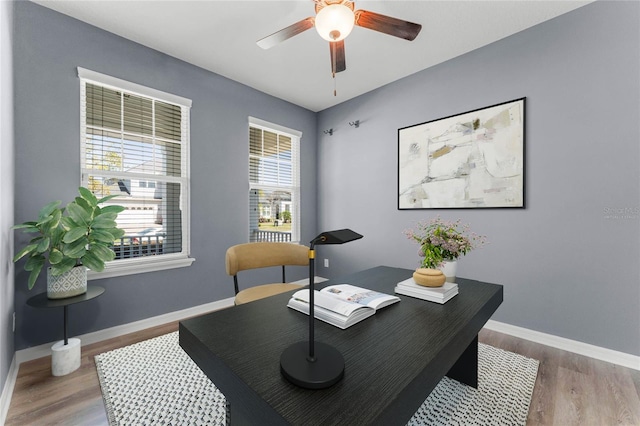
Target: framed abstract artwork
470, 160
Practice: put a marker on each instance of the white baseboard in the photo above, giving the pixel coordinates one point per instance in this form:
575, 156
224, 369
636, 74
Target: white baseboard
7, 390
603, 354
40, 351
43, 350
35, 352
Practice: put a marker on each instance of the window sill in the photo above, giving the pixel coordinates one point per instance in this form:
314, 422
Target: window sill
141, 265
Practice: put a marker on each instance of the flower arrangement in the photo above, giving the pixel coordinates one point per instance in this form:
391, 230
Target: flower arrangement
442, 241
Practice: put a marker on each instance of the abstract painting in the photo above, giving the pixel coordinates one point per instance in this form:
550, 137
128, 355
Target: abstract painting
469, 160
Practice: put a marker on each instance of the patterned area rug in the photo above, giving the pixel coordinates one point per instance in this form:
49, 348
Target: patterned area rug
155, 383
505, 386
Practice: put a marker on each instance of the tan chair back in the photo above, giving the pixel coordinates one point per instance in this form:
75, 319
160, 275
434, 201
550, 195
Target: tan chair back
261, 255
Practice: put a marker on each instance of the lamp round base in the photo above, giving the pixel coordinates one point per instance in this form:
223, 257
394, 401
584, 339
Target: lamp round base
325, 371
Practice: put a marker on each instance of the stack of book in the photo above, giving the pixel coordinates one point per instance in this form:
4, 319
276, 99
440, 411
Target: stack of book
433, 294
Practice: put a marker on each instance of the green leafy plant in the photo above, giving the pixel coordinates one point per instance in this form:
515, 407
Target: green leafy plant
82, 233
441, 240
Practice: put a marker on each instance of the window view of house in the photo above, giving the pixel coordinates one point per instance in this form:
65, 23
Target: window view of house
135, 147
274, 190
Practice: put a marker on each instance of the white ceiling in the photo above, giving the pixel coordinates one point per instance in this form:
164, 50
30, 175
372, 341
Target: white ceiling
221, 36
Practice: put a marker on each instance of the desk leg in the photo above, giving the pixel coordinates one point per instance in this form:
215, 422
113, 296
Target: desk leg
241, 416
236, 417
465, 370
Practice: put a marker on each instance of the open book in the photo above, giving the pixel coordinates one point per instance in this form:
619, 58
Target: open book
342, 305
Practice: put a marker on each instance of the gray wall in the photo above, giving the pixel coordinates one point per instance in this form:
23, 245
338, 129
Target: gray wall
6, 191
568, 267
48, 48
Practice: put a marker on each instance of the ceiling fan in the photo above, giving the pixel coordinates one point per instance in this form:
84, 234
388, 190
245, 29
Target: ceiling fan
334, 21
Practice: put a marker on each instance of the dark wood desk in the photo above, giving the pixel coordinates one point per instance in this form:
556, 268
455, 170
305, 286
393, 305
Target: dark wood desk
393, 360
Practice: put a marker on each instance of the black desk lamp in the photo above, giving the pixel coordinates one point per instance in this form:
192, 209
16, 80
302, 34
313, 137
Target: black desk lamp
322, 365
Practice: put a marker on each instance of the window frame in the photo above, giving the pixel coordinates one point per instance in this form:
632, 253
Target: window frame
123, 267
296, 138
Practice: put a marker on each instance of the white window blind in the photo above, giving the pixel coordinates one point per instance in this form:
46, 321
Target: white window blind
274, 189
136, 146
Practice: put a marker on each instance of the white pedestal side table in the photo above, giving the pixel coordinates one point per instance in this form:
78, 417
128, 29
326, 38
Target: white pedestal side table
65, 356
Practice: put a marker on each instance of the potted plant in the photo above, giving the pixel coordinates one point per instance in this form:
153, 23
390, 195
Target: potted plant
443, 242
70, 239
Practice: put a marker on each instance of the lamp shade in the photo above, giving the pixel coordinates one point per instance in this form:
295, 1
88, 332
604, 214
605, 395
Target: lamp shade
340, 236
334, 22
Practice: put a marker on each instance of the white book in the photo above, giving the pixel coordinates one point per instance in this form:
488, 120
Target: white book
442, 294
425, 296
444, 291
342, 305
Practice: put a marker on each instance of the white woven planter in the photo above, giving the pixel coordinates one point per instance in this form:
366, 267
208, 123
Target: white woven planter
69, 284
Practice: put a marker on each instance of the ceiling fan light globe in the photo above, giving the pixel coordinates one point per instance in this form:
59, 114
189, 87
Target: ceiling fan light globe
335, 22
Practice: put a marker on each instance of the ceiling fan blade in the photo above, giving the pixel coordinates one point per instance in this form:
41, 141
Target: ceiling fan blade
386, 24
286, 33
338, 62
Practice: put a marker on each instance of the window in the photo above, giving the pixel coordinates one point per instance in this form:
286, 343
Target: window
274, 188
135, 143
146, 184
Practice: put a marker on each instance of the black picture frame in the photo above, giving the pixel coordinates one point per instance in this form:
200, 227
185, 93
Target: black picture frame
475, 159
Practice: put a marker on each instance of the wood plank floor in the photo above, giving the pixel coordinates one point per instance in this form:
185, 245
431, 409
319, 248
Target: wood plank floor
570, 389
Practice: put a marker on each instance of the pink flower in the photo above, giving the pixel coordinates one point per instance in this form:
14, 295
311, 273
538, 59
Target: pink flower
441, 240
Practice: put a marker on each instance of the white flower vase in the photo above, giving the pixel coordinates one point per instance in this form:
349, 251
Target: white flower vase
71, 283
449, 268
